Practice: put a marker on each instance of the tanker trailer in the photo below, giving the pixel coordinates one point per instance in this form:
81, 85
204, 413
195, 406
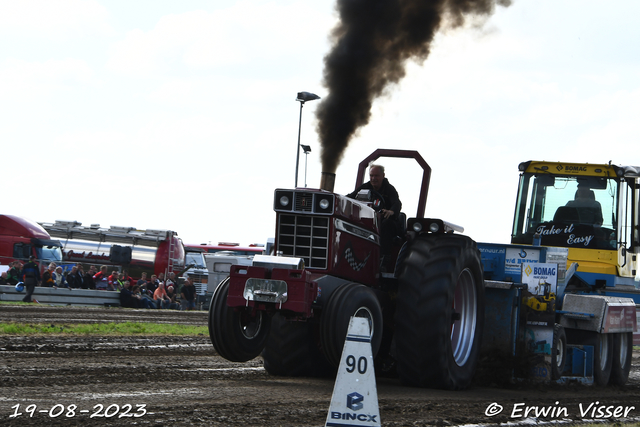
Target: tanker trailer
137, 251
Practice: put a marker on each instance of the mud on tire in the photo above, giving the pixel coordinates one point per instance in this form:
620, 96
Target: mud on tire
292, 350
237, 335
440, 312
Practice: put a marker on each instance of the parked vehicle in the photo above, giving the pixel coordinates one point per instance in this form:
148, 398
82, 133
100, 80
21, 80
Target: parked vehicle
21, 238
137, 251
587, 214
219, 266
197, 270
228, 248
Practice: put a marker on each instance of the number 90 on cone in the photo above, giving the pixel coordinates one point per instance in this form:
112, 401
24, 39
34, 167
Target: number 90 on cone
355, 399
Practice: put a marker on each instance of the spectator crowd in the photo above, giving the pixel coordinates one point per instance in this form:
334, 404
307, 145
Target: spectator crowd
154, 293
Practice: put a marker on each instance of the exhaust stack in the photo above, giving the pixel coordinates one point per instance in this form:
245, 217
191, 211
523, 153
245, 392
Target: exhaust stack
327, 181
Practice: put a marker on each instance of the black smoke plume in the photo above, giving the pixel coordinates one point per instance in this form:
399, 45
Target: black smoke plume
370, 47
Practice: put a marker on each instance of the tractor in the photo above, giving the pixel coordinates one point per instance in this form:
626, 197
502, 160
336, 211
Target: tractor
424, 304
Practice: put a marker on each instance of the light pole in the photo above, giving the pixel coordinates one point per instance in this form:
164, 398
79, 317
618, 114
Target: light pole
307, 150
302, 97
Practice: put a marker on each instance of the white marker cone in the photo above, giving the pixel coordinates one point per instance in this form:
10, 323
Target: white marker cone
355, 399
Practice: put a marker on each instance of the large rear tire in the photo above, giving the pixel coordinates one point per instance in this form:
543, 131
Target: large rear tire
440, 312
292, 350
621, 360
237, 335
351, 299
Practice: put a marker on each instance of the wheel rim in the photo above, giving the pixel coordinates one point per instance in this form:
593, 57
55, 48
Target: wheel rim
365, 313
624, 348
463, 325
604, 350
559, 353
250, 325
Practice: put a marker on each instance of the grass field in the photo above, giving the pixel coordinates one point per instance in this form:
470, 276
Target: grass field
126, 328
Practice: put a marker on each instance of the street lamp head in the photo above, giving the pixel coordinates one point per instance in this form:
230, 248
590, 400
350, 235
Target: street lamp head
303, 97
306, 96
306, 148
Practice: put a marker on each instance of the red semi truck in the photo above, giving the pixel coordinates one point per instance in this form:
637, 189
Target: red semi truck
21, 238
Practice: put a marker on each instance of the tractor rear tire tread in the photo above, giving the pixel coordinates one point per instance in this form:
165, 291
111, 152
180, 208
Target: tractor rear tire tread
427, 281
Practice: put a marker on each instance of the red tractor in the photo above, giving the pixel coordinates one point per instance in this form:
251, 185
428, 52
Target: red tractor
425, 306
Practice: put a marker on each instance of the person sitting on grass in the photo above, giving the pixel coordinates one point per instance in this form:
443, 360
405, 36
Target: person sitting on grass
171, 293
145, 300
127, 298
131, 298
160, 296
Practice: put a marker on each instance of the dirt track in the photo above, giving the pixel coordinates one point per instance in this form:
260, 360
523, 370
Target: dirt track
183, 382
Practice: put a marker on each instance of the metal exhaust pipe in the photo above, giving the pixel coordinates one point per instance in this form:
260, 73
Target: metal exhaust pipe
327, 181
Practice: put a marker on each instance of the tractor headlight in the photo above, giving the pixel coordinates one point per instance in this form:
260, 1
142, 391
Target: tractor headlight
323, 203
434, 227
283, 200
417, 227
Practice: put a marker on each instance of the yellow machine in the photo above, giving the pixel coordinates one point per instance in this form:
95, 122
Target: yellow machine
592, 209
542, 302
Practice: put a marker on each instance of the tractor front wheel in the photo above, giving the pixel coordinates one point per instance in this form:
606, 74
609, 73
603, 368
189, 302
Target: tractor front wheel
350, 299
237, 335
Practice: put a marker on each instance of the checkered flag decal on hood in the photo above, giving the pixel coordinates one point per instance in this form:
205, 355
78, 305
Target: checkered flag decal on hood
355, 263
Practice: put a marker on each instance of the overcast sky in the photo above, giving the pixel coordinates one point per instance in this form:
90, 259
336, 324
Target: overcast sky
181, 115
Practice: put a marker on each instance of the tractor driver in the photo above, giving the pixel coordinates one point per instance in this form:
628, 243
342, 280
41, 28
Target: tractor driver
589, 208
390, 204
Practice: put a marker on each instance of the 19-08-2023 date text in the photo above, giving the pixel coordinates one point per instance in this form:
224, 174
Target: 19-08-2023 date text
71, 411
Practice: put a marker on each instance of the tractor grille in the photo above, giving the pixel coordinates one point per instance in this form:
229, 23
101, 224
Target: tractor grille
304, 202
305, 237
